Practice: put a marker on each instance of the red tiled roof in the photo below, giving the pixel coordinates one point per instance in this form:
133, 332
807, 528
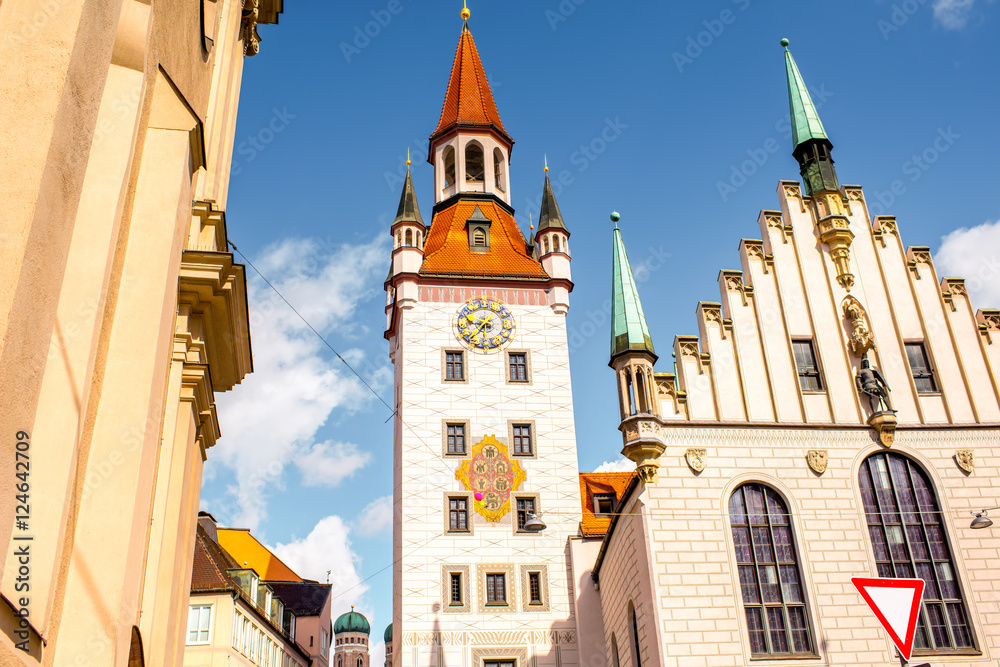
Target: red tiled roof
469, 100
600, 482
210, 564
447, 248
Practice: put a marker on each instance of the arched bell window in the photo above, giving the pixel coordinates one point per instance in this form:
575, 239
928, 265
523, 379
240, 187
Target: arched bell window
770, 583
498, 171
449, 166
633, 626
409, 238
906, 528
615, 661
475, 166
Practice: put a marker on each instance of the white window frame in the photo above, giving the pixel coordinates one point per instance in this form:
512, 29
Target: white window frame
208, 630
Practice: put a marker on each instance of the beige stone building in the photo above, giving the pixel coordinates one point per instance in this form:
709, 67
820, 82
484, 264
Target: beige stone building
836, 416
121, 313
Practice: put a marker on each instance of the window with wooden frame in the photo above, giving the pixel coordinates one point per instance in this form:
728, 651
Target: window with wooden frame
535, 588
496, 588
525, 510
523, 445
807, 365
455, 589
455, 437
454, 365
920, 368
517, 366
458, 514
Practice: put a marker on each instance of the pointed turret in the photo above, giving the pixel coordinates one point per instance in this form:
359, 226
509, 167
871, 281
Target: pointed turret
632, 357
408, 210
552, 246
810, 145
629, 332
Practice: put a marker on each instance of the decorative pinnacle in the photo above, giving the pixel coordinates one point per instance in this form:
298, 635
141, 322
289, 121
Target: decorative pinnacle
615, 217
546, 164
465, 10
408, 156
531, 224
784, 42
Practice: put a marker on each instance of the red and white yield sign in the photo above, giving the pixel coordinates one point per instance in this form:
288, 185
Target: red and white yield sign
896, 605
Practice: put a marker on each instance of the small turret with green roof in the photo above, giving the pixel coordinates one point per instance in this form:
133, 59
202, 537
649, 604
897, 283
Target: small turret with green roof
629, 332
810, 145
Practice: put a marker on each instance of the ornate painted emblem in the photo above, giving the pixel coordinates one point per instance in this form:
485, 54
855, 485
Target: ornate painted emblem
816, 458
484, 324
696, 459
966, 459
492, 476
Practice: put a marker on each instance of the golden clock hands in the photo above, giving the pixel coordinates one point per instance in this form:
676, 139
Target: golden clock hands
485, 321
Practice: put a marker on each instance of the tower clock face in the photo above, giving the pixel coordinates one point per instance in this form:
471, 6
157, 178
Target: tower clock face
484, 324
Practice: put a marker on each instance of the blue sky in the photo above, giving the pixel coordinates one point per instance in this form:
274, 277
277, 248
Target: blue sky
662, 111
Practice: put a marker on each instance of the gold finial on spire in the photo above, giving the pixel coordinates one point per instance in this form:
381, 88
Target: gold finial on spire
531, 223
465, 10
546, 164
407, 156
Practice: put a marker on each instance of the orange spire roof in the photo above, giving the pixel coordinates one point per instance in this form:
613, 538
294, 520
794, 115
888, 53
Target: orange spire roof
469, 100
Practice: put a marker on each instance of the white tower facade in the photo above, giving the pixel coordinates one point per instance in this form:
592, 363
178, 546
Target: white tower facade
484, 432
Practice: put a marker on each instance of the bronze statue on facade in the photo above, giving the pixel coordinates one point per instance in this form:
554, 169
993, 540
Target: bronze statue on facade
871, 384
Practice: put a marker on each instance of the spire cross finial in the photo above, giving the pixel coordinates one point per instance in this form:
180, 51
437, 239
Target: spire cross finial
546, 164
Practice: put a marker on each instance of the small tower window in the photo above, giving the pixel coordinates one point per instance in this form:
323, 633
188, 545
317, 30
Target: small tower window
475, 166
449, 166
409, 238
498, 175
399, 239
545, 243
555, 243
479, 237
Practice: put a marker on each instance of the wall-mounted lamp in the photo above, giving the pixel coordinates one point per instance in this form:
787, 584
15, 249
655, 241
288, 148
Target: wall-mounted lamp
981, 520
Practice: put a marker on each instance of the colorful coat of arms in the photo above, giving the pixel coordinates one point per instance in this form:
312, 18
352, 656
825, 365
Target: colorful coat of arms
492, 476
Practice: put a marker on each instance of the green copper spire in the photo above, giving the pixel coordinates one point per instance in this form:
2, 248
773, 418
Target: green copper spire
408, 210
806, 124
629, 332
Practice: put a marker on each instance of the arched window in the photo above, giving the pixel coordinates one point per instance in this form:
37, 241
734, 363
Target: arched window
555, 243
640, 392
409, 237
908, 537
769, 572
498, 176
545, 243
449, 166
475, 166
614, 652
634, 632
361, 662
340, 661
399, 239
479, 237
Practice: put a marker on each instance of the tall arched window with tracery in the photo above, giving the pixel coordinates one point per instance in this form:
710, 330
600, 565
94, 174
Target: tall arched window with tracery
907, 532
475, 166
770, 582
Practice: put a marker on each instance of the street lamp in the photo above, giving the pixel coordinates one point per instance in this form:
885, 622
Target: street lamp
981, 520
535, 525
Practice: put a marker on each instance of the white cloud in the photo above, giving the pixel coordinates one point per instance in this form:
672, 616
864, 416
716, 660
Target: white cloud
327, 547
620, 465
953, 14
272, 418
973, 254
376, 518
330, 463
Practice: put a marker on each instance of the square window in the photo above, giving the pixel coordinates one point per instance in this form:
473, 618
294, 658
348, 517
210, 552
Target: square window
525, 510
496, 588
458, 514
199, 624
920, 368
604, 503
455, 438
808, 368
517, 366
522, 440
454, 366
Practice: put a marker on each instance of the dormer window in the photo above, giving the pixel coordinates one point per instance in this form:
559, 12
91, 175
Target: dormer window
479, 231
604, 503
475, 164
449, 166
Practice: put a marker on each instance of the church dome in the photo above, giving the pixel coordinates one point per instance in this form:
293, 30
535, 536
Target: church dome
388, 634
352, 621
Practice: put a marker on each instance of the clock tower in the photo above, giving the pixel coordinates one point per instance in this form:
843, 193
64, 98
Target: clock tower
486, 488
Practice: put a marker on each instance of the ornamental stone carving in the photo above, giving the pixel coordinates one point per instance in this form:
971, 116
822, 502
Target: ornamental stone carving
861, 338
696, 459
689, 349
650, 428
966, 460
248, 27
817, 460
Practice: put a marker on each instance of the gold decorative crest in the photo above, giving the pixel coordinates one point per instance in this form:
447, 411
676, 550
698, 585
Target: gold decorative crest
696, 459
492, 476
816, 458
966, 460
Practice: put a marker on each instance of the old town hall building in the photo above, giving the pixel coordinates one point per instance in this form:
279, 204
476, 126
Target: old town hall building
837, 415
